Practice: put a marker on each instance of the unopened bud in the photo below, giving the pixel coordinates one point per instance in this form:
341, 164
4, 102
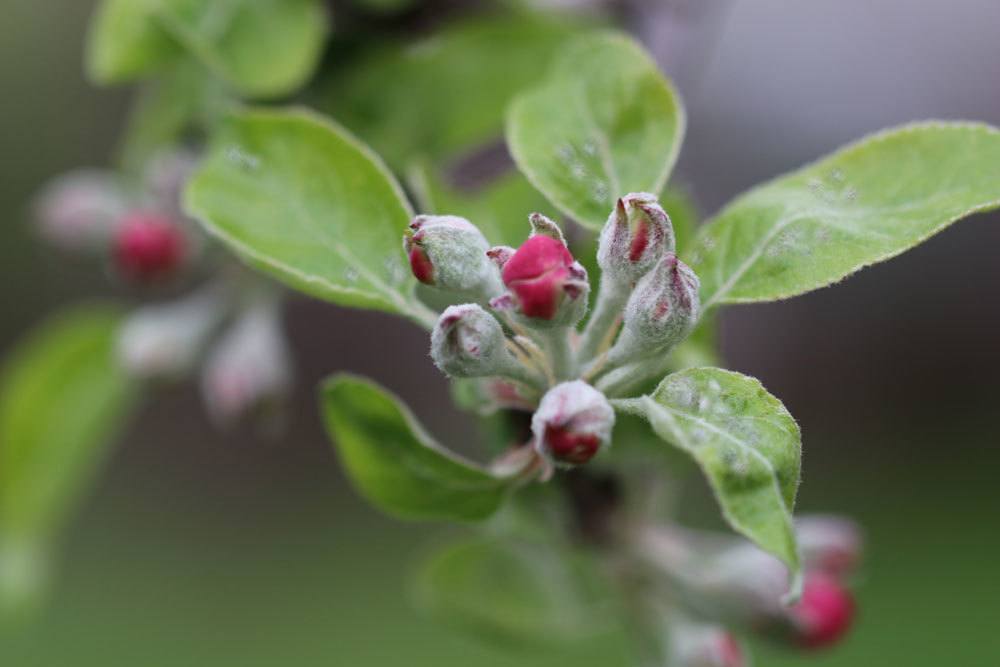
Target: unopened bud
149, 247
165, 176
80, 211
830, 544
249, 370
544, 282
697, 645
661, 312
636, 236
572, 423
165, 341
469, 342
449, 253
824, 613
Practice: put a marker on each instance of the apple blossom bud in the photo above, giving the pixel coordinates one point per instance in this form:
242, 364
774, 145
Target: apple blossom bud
830, 544
165, 341
469, 342
80, 211
636, 236
165, 176
249, 370
698, 645
500, 254
449, 253
572, 423
149, 246
661, 312
544, 283
824, 613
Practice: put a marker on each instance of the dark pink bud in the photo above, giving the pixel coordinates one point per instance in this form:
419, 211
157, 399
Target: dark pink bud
636, 236
572, 423
420, 263
149, 246
541, 275
824, 613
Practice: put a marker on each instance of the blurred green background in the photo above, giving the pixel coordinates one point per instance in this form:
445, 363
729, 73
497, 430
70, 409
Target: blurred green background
200, 549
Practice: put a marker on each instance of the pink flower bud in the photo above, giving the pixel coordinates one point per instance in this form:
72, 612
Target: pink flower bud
824, 614
696, 645
635, 238
661, 312
149, 247
544, 282
449, 253
572, 423
249, 370
830, 544
80, 211
469, 342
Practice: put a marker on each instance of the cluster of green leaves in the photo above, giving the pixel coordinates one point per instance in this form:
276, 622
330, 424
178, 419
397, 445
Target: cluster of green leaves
302, 199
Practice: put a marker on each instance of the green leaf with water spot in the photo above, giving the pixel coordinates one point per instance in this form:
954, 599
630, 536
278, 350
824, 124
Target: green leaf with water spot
302, 200
603, 124
396, 465
744, 440
861, 205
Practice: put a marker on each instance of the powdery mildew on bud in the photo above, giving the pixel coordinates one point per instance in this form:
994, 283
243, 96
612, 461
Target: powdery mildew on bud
573, 422
636, 236
468, 342
449, 253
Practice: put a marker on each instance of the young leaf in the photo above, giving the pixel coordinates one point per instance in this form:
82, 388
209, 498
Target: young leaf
864, 204
511, 591
744, 440
125, 43
395, 464
62, 398
299, 198
605, 123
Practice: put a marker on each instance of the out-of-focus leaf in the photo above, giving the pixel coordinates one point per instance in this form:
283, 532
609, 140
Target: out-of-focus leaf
745, 442
512, 591
603, 124
864, 204
304, 201
125, 43
396, 465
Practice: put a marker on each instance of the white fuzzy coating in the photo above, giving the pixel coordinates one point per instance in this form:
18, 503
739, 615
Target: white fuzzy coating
617, 235
468, 342
575, 406
457, 251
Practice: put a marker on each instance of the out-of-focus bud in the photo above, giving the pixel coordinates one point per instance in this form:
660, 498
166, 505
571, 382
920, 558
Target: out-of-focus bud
543, 280
697, 645
572, 423
469, 342
485, 396
80, 211
830, 544
449, 253
149, 247
635, 238
660, 313
824, 613
166, 175
165, 341
249, 370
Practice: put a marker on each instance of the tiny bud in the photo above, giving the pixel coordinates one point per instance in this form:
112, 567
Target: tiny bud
165, 341
697, 645
469, 342
80, 211
572, 423
249, 370
830, 544
449, 253
149, 247
824, 614
500, 255
543, 226
636, 236
544, 283
661, 312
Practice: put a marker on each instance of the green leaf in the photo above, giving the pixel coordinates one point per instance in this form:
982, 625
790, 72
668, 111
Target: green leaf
864, 204
62, 399
302, 200
125, 43
605, 123
512, 591
445, 94
396, 465
745, 442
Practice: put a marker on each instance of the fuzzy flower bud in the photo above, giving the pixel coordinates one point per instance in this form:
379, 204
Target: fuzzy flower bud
635, 238
80, 211
830, 544
166, 175
824, 613
660, 313
249, 370
543, 280
149, 247
449, 253
697, 645
469, 342
572, 423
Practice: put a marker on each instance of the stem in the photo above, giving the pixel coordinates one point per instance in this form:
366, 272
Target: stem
611, 298
556, 344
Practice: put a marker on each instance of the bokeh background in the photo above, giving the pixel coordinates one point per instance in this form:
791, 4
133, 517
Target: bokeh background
201, 549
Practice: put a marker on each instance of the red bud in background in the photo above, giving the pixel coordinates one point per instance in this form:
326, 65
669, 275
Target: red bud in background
149, 247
